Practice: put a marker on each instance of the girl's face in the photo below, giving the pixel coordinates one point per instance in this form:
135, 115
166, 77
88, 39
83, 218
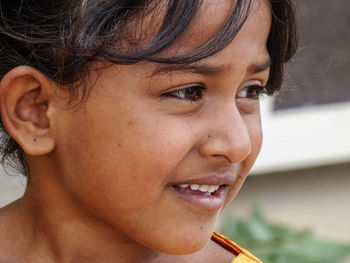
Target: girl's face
148, 131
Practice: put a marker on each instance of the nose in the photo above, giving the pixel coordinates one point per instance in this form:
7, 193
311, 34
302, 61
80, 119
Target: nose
228, 136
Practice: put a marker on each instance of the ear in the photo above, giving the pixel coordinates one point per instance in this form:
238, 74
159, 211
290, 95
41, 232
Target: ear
25, 95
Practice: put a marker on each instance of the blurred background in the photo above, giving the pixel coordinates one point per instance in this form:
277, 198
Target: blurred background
300, 185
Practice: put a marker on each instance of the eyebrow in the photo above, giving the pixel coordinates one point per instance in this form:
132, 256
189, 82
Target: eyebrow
202, 69
257, 68
206, 69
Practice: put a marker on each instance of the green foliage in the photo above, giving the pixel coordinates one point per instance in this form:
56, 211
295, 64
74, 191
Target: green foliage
280, 244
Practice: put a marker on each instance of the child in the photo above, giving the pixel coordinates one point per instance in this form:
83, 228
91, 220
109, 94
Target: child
136, 122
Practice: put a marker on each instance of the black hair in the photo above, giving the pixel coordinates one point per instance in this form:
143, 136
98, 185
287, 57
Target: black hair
61, 38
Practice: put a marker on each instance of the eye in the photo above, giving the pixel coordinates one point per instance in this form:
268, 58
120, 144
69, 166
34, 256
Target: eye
252, 92
191, 93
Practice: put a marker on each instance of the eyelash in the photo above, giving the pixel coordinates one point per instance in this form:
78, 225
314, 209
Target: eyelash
259, 91
181, 93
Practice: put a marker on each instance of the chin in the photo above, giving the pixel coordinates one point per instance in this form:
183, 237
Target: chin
184, 243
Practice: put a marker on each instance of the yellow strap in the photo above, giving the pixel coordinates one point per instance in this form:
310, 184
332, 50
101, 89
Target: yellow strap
241, 253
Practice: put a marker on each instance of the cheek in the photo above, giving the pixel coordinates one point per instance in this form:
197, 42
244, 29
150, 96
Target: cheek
114, 159
253, 124
121, 174
256, 135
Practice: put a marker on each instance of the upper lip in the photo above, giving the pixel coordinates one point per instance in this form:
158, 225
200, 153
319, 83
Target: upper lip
225, 179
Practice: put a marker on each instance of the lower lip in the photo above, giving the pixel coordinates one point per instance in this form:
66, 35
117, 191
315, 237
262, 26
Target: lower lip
211, 202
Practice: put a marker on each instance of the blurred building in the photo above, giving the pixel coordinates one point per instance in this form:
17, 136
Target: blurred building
302, 177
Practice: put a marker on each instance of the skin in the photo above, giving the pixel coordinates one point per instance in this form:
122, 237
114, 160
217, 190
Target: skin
100, 188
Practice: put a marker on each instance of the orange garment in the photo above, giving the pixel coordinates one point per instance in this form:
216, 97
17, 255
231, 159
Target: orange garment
242, 255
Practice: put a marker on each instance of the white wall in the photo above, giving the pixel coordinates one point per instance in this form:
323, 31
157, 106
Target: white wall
303, 137
11, 187
316, 199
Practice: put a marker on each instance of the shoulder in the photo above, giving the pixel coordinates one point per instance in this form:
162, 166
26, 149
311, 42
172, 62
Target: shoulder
11, 235
233, 248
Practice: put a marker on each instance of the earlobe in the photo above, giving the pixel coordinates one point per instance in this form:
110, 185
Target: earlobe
24, 102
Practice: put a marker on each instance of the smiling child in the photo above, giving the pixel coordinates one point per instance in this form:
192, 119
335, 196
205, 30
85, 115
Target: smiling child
136, 123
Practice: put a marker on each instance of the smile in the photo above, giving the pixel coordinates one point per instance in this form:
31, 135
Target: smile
206, 197
206, 189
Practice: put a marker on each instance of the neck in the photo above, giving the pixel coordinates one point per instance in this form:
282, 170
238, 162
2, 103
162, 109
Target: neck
61, 229
58, 228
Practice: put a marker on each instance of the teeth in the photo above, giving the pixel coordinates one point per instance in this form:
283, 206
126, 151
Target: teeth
203, 188
213, 188
194, 187
207, 189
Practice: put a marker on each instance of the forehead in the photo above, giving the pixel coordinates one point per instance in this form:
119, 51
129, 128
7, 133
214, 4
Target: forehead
249, 46
210, 19
247, 51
